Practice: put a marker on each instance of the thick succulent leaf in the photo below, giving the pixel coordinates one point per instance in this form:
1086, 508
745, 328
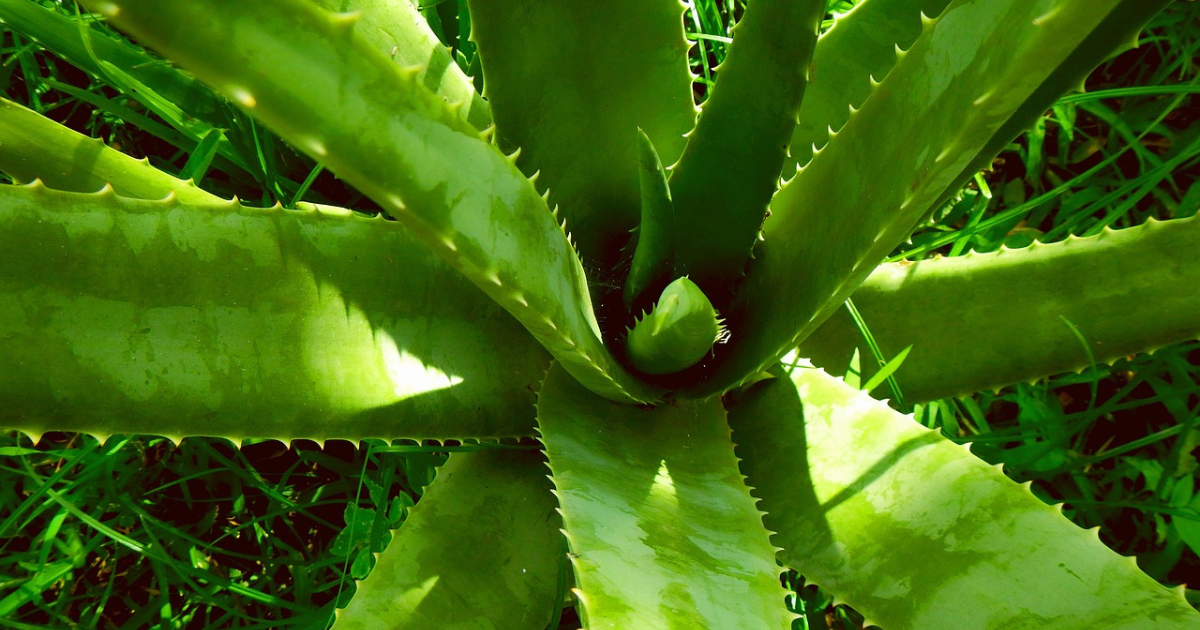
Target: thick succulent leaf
915, 532
662, 530
1118, 31
35, 147
184, 103
860, 45
396, 28
967, 73
130, 316
654, 241
986, 320
64, 36
569, 84
677, 333
383, 131
482, 550
731, 166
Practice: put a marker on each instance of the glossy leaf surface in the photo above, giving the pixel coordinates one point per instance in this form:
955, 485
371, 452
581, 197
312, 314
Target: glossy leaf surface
986, 320
916, 532
402, 145
967, 73
570, 83
127, 316
663, 532
36, 147
730, 168
481, 551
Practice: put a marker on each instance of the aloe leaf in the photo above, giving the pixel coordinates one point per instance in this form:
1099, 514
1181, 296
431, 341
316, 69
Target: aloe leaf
730, 169
402, 145
396, 29
569, 84
123, 316
36, 147
663, 533
987, 320
64, 36
1116, 33
189, 107
860, 45
480, 550
915, 532
967, 73
677, 333
654, 240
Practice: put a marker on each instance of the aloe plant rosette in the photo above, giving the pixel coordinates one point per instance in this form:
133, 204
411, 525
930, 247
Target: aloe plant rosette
687, 463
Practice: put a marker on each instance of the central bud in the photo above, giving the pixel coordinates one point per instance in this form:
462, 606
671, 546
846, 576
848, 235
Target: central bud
680, 329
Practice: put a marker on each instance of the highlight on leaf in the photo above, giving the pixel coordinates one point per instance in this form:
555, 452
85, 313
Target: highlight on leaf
677, 334
685, 473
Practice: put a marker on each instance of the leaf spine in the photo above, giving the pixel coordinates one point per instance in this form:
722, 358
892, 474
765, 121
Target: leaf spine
344, 22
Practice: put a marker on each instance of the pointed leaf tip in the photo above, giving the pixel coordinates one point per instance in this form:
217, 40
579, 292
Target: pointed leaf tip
677, 333
653, 252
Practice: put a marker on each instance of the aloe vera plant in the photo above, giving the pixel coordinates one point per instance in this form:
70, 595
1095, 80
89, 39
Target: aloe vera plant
692, 450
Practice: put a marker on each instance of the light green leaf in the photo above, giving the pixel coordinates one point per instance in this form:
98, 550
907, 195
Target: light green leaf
401, 144
915, 532
858, 198
36, 147
481, 551
1189, 531
125, 316
730, 168
396, 29
663, 532
1010, 330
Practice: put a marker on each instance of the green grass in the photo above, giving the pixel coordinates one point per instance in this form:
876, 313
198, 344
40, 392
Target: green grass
137, 532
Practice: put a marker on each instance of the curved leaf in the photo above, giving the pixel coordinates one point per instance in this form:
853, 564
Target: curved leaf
396, 29
730, 168
481, 551
63, 35
677, 333
967, 73
124, 316
36, 147
982, 321
328, 92
915, 532
569, 84
663, 532
860, 45
653, 242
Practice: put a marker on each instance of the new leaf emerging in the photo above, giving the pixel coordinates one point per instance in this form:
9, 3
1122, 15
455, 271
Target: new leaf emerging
680, 330
653, 251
